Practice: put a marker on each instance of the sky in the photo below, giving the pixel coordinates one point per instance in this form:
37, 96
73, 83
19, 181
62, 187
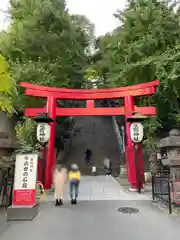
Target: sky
99, 12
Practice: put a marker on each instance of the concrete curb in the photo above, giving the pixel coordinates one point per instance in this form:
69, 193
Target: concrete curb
125, 184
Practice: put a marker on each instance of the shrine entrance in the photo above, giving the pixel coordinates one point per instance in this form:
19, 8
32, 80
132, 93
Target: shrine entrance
128, 93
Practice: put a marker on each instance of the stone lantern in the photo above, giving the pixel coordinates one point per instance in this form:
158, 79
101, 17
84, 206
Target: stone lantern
170, 152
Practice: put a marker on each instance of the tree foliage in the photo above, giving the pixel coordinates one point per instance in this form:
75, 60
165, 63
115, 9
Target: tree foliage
45, 45
26, 136
145, 47
7, 87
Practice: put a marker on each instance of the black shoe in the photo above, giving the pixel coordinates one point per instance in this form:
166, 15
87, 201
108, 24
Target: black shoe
73, 201
57, 203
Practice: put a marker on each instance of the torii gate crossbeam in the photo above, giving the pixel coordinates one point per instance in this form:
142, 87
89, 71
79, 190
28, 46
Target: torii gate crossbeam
128, 93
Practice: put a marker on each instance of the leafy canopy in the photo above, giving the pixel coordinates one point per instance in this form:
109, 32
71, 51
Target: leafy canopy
7, 87
145, 47
45, 45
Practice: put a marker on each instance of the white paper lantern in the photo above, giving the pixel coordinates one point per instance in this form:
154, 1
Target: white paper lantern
137, 132
43, 132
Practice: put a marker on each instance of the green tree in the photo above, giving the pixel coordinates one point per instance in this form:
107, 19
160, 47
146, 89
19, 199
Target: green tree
145, 47
7, 87
45, 46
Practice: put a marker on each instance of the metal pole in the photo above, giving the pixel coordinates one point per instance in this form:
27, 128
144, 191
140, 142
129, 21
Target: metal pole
153, 190
137, 168
169, 197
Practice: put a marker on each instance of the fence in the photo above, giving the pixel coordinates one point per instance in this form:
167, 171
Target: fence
162, 188
6, 187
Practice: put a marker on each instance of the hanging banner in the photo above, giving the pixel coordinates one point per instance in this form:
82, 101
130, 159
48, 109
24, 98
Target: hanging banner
25, 179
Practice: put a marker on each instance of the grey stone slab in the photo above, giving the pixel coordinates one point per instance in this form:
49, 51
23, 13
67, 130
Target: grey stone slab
101, 187
22, 212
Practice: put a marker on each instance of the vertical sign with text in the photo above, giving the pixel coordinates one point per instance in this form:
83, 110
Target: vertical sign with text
25, 179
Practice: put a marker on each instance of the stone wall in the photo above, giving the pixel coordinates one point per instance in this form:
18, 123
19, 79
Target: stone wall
6, 126
7, 141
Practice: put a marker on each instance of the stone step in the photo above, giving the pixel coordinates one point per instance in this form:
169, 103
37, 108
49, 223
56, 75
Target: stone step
98, 134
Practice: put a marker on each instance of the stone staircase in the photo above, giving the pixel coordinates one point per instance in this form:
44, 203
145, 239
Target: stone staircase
96, 133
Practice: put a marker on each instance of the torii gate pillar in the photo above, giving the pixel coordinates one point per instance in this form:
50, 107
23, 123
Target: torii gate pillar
130, 152
50, 153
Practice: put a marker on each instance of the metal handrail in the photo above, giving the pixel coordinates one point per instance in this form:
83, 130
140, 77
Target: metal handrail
118, 135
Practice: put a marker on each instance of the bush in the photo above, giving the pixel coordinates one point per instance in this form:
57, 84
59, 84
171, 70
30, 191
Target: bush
26, 136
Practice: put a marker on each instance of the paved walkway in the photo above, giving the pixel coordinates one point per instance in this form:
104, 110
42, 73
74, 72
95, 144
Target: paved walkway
98, 218
96, 188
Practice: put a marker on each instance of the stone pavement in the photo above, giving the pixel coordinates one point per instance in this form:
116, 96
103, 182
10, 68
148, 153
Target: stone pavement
96, 188
96, 217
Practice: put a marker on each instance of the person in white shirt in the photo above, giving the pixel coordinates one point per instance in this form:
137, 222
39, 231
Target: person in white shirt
107, 166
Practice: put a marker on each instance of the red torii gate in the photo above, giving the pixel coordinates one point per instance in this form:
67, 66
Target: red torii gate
128, 93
